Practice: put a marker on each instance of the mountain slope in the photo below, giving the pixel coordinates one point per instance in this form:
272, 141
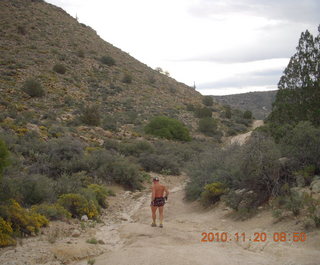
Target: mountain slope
259, 103
36, 36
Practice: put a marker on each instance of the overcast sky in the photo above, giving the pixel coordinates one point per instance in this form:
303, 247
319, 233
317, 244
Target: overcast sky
224, 46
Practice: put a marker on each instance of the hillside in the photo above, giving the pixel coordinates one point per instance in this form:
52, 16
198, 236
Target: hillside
36, 37
259, 103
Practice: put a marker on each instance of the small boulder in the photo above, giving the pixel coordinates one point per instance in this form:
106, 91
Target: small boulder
84, 218
76, 233
315, 186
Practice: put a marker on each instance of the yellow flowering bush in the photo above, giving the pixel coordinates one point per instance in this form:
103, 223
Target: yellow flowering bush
6, 234
78, 205
212, 193
23, 222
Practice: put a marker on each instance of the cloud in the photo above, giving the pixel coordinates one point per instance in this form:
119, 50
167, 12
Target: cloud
306, 11
267, 78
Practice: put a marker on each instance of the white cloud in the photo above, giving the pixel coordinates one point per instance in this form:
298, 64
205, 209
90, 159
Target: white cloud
202, 40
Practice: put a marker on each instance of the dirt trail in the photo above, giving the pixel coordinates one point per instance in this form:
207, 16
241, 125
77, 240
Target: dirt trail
242, 138
179, 242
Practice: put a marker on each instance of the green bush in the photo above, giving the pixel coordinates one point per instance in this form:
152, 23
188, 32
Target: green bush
136, 148
36, 189
51, 211
247, 114
212, 193
33, 88
203, 112
90, 116
168, 128
101, 194
207, 100
59, 68
59, 156
68, 184
108, 60
78, 205
208, 126
120, 171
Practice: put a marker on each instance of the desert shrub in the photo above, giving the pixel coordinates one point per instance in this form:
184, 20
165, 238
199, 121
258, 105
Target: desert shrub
33, 88
260, 167
78, 205
208, 126
59, 68
190, 107
304, 176
127, 78
121, 171
6, 234
227, 112
302, 144
59, 156
35, 189
101, 193
235, 128
90, 115
159, 163
81, 53
108, 60
51, 211
168, 128
21, 30
247, 114
92, 241
110, 144
203, 112
68, 184
193, 191
212, 193
207, 100
136, 148
22, 221
109, 123
4, 155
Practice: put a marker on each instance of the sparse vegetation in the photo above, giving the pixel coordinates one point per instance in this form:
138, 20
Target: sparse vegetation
127, 78
59, 68
108, 60
208, 126
91, 115
207, 100
33, 88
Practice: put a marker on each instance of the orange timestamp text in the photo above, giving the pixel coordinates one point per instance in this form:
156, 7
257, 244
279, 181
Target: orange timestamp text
254, 237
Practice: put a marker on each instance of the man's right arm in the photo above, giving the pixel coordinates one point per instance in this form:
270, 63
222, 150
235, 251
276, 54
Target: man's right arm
166, 192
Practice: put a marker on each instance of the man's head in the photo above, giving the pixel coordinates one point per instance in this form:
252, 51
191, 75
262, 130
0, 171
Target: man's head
155, 179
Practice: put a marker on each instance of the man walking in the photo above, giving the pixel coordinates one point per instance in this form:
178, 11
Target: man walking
158, 200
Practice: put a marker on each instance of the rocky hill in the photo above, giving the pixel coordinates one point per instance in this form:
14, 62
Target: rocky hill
259, 103
76, 68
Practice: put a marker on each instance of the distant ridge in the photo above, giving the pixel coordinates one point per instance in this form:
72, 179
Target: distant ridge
260, 103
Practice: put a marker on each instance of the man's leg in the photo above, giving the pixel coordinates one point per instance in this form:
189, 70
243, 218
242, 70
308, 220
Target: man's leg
153, 210
161, 215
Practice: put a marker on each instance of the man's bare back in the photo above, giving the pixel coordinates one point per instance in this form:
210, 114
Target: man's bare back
159, 195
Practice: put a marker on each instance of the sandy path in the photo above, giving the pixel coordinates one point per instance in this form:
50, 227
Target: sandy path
179, 241
242, 138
